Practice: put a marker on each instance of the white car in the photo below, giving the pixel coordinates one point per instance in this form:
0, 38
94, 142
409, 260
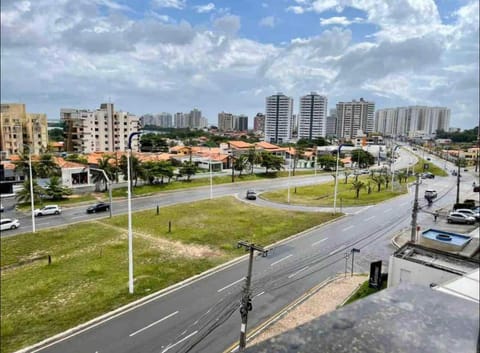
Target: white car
48, 210
8, 223
468, 212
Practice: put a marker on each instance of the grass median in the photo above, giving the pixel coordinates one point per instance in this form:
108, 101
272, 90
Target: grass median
88, 275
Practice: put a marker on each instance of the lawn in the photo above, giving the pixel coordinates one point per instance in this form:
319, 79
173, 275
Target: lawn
363, 291
88, 275
323, 194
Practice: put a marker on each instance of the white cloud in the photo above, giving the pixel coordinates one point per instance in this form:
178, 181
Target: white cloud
228, 24
205, 8
296, 9
176, 4
268, 21
341, 21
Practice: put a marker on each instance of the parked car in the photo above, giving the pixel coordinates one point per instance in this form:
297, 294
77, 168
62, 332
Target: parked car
428, 159
251, 195
48, 210
470, 213
99, 207
8, 223
457, 217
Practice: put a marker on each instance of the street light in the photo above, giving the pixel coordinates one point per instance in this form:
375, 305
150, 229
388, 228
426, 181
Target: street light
109, 187
210, 166
130, 233
393, 163
32, 202
336, 181
289, 172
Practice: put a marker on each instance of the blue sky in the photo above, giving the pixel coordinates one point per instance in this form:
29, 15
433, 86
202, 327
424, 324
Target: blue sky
150, 56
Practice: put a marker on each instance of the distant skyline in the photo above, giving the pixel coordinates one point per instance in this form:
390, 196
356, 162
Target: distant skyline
175, 55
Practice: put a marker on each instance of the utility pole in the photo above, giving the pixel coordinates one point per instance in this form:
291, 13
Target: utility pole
415, 211
246, 304
458, 181
354, 250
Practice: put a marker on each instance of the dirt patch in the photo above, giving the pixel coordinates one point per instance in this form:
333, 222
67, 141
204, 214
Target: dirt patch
325, 300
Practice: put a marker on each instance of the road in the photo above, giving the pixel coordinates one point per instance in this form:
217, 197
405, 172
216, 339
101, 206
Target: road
180, 320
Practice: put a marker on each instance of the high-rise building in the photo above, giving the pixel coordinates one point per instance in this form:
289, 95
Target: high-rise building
19, 128
179, 120
161, 120
225, 121
241, 123
312, 122
259, 122
331, 123
278, 118
412, 121
102, 130
354, 117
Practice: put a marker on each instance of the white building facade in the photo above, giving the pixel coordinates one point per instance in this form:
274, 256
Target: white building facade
312, 121
278, 118
353, 117
102, 130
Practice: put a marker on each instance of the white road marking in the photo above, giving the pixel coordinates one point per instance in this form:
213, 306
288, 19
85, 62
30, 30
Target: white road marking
82, 216
369, 218
177, 343
196, 322
318, 242
259, 294
334, 251
296, 273
282, 259
154, 323
345, 229
231, 284
387, 210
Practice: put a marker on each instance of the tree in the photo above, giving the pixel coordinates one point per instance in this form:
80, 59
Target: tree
270, 161
402, 175
241, 163
23, 166
55, 134
363, 158
46, 166
76, 158
24, 194
377, 179
299, 152
135, 169
327, 162
357, 186
253, 158
55, 190
369, 187
104, 164
346, 172
153, 143
188, 168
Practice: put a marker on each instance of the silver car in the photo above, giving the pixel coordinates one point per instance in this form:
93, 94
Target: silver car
457, 217
48, 210
468, 212
8, 223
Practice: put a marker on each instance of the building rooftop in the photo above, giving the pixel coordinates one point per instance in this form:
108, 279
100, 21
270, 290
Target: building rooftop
402, 319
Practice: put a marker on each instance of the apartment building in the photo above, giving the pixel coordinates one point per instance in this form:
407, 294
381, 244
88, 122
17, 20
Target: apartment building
412, 121
278, 118
354, 117
226, 122
312, 121
164, 120
19, 128
331, 123
101, 130
241, 123
259, 122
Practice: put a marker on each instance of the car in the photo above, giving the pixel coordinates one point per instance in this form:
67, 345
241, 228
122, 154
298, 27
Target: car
430, 194
8, 223
251, 195
465, 170
428, 159
457, 217
99, 207
428, 175
414, 149
468, 212
1, 208
48, 210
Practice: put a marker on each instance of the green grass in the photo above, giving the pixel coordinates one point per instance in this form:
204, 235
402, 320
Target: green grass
363, 291
323, 194
89, 271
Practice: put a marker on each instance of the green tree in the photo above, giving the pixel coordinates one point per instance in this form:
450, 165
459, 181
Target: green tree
241, 163
46, 166
270, 161
104, 164
357, 186
402, 175
153, 143
135, 169
347, 173
253, 158
188, 168
363, 158
77, 158
23, 166
55, 190
299, 152
24, 194
378, 179
327, 162
55, 135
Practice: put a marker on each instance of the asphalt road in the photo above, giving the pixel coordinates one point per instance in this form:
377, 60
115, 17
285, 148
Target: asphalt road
202, 316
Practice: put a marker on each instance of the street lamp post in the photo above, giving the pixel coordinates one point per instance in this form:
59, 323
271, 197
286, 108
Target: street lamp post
31, 188
109, 187
336, 182
210, 167
289, 173
130, 233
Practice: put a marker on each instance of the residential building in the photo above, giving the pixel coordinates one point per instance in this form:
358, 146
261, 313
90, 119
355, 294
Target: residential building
104, 129
19, 128
312, 116
412, 121
354, 116
225, 122
161, 120
179, 121
278, 118
331, 123
259, 122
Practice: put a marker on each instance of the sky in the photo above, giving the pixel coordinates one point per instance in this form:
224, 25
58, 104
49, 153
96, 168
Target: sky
152, 56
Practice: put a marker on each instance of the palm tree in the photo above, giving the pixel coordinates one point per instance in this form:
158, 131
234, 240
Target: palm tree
402, 175
23, 164
357, 186
253, 158
24, 194
56, 190
103, 164
135, 168
377, 179
46, 166
241, 164
346, 172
